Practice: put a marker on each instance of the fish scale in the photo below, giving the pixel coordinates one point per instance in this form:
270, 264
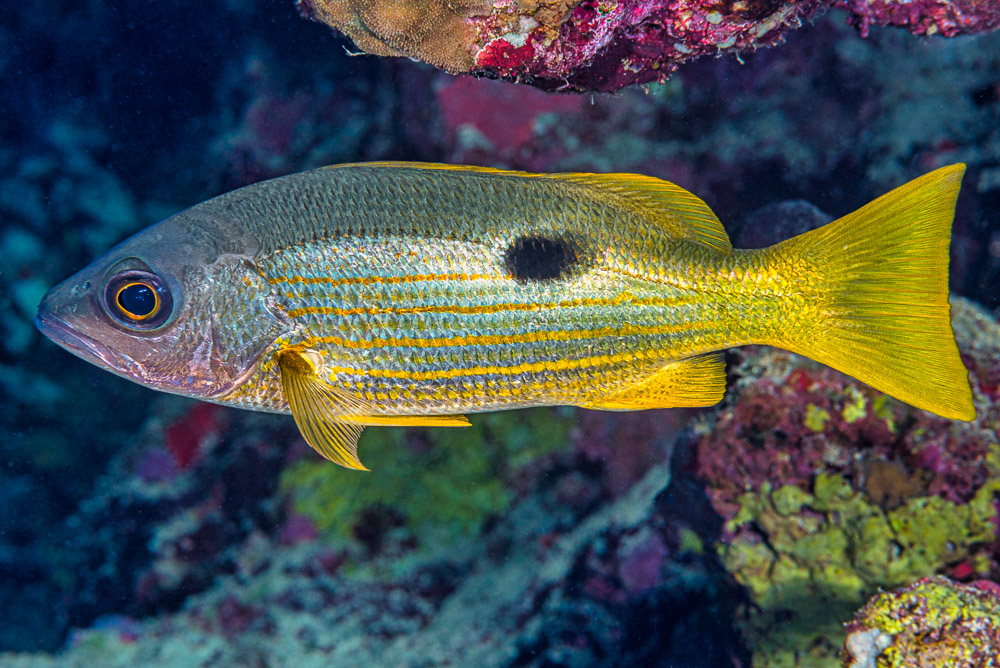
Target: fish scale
565, 327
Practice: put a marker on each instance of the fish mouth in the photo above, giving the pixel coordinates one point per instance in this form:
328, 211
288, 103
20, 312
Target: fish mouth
80, 344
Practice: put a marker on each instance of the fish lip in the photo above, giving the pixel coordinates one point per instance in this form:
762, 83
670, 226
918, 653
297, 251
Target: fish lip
79, 344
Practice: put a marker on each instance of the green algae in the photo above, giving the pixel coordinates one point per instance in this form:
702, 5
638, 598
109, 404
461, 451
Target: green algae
445, 486
809, 559
854, 405
690, 542
816, 418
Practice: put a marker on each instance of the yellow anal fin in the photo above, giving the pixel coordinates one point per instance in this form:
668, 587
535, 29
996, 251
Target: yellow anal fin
698, 381
329, 418
410, 420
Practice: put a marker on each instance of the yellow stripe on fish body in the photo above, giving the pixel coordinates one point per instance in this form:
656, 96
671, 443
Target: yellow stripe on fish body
422, 290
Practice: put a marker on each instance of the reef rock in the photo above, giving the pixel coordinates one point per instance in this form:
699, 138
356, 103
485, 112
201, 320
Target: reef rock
604, 45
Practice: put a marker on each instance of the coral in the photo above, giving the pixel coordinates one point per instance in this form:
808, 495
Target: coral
607, 44
932, 622
187, 438
627, 444
831, 491
497, 121
930, 17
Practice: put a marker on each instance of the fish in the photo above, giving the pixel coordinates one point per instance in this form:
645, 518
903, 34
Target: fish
414, 294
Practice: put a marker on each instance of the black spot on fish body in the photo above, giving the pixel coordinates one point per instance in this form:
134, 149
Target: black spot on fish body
540, 257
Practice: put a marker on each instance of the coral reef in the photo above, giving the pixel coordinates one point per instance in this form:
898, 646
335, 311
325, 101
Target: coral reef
147, 529
546, 584
830, 491
932, 622
605, 45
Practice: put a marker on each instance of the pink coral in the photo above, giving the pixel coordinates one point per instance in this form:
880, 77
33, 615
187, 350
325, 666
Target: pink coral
507, 117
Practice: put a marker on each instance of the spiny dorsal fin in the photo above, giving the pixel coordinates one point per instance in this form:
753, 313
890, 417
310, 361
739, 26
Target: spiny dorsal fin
327, 416
698, 381
682, 213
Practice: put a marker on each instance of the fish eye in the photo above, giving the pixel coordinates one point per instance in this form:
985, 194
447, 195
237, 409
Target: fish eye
137, 299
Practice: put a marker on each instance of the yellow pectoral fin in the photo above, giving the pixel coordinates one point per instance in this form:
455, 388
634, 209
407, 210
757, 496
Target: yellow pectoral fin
699, 381
410, 420
329, 418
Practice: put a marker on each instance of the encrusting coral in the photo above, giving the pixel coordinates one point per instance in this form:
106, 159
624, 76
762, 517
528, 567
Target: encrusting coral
608, 44
933, 622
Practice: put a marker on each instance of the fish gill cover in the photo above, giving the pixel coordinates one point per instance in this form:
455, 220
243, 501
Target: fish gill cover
141, 529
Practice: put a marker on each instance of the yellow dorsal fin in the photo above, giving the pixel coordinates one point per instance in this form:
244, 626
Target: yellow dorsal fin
699, 381
683, 214
330, 419
410, 420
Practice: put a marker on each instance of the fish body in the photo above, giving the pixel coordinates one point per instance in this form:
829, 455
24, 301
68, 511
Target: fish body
407, 293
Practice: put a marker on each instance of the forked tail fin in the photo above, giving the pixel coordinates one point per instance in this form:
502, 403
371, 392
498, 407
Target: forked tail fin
885, 312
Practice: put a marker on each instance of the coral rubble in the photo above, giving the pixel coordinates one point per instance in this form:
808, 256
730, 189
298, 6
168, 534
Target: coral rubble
608, 44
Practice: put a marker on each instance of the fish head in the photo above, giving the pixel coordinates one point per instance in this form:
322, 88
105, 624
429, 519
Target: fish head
178, 307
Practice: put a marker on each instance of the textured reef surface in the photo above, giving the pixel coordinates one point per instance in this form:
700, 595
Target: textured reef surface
830, 491
933, 622
604, 45
142, 529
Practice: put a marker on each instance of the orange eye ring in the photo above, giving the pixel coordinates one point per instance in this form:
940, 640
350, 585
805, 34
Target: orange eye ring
138, 301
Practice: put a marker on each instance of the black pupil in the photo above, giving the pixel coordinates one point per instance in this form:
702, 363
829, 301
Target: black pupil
137, 299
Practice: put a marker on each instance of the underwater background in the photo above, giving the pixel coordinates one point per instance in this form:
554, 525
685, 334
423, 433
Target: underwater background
138, 528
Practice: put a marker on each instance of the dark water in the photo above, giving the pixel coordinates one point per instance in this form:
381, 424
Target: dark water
185, 535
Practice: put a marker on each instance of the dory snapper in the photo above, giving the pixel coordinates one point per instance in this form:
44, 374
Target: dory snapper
411, 294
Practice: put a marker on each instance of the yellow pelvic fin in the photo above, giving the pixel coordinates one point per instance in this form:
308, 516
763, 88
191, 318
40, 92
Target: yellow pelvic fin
666, 204
698, 381
329, 418
885, 310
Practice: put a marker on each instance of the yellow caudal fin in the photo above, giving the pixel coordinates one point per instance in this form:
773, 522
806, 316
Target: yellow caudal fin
883, 310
